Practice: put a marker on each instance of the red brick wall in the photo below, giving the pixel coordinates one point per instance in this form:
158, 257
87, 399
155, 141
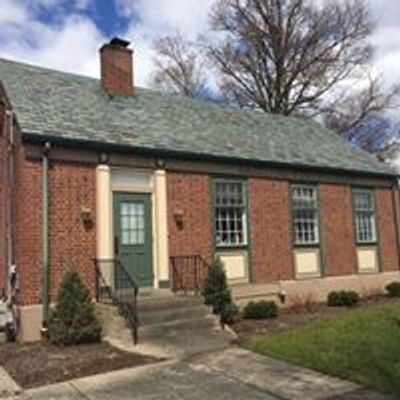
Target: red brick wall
3, 172
337, 229
190, 194
72, 242
387, 230
72, 186
28, 228
117, 71
270, 231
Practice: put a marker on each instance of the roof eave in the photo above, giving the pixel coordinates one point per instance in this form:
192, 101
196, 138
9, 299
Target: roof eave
39, 138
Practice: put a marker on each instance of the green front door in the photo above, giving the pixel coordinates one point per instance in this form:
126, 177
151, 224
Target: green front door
133, 239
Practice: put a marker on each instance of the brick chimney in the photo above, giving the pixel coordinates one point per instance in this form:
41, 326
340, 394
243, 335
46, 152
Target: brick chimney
116, 66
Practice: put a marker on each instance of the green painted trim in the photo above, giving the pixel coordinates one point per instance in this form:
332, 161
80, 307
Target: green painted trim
145, 198
314, 246
373, 192
245, 247
250, 266
165, 284
376, 242
323, 267
378, 231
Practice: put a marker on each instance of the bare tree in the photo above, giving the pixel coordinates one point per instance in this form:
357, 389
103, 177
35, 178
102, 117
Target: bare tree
288, 56
178, 66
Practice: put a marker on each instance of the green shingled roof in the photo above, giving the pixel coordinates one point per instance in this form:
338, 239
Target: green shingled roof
69, 106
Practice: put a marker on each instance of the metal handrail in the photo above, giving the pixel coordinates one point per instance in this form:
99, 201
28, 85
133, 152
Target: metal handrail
188, 273
120, 292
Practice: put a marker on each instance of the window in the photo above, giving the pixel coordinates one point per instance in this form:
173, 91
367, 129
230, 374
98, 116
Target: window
230, 210
132, 223
305, 215
364, 211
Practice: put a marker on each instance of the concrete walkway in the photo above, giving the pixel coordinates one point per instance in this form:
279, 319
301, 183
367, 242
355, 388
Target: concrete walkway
233, 374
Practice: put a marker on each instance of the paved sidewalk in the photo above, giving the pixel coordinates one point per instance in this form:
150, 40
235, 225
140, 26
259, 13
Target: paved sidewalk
234, 374
169, 381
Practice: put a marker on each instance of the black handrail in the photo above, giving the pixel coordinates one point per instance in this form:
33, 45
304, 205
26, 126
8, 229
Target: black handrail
188, 273
122, 290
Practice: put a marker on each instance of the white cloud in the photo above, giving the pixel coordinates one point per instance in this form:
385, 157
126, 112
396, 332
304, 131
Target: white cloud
69, 45
11, 12
386, 14
156, 18
159, 16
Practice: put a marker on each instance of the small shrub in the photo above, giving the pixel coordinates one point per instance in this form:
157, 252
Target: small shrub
216, 291
393, 289
343, 298
260, 310
303, 304
73, 321
229, 313
217, 294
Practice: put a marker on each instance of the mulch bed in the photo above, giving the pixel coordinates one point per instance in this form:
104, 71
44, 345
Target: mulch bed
292, 319
38, 364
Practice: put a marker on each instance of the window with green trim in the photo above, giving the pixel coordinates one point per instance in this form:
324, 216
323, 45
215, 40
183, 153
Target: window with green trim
364, 214
230, 213
305, 215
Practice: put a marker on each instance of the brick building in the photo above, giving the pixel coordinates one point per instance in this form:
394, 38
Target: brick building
104, 170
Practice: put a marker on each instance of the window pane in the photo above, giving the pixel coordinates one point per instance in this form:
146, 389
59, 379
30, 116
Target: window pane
132, 223
230, 213
305, 215
364, 216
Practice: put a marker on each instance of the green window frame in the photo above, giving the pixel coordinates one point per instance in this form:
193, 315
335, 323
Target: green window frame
305, 215
364, 216
230, 213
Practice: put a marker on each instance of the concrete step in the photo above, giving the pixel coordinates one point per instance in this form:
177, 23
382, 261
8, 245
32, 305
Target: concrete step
168, 302
169, 328
160, 316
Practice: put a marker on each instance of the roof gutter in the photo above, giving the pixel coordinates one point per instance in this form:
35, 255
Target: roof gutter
38, 138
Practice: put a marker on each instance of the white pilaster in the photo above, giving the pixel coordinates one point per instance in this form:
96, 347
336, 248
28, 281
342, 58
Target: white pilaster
104, 220
160, 187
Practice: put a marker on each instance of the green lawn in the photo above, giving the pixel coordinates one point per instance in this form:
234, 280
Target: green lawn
362, 346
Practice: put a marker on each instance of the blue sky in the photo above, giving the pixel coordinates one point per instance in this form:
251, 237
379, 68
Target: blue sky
66, 34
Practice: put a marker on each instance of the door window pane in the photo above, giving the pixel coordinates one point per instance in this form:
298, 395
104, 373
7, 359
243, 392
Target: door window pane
132, 223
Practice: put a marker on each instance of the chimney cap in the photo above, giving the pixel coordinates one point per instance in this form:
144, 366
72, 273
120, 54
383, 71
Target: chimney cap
116, 41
